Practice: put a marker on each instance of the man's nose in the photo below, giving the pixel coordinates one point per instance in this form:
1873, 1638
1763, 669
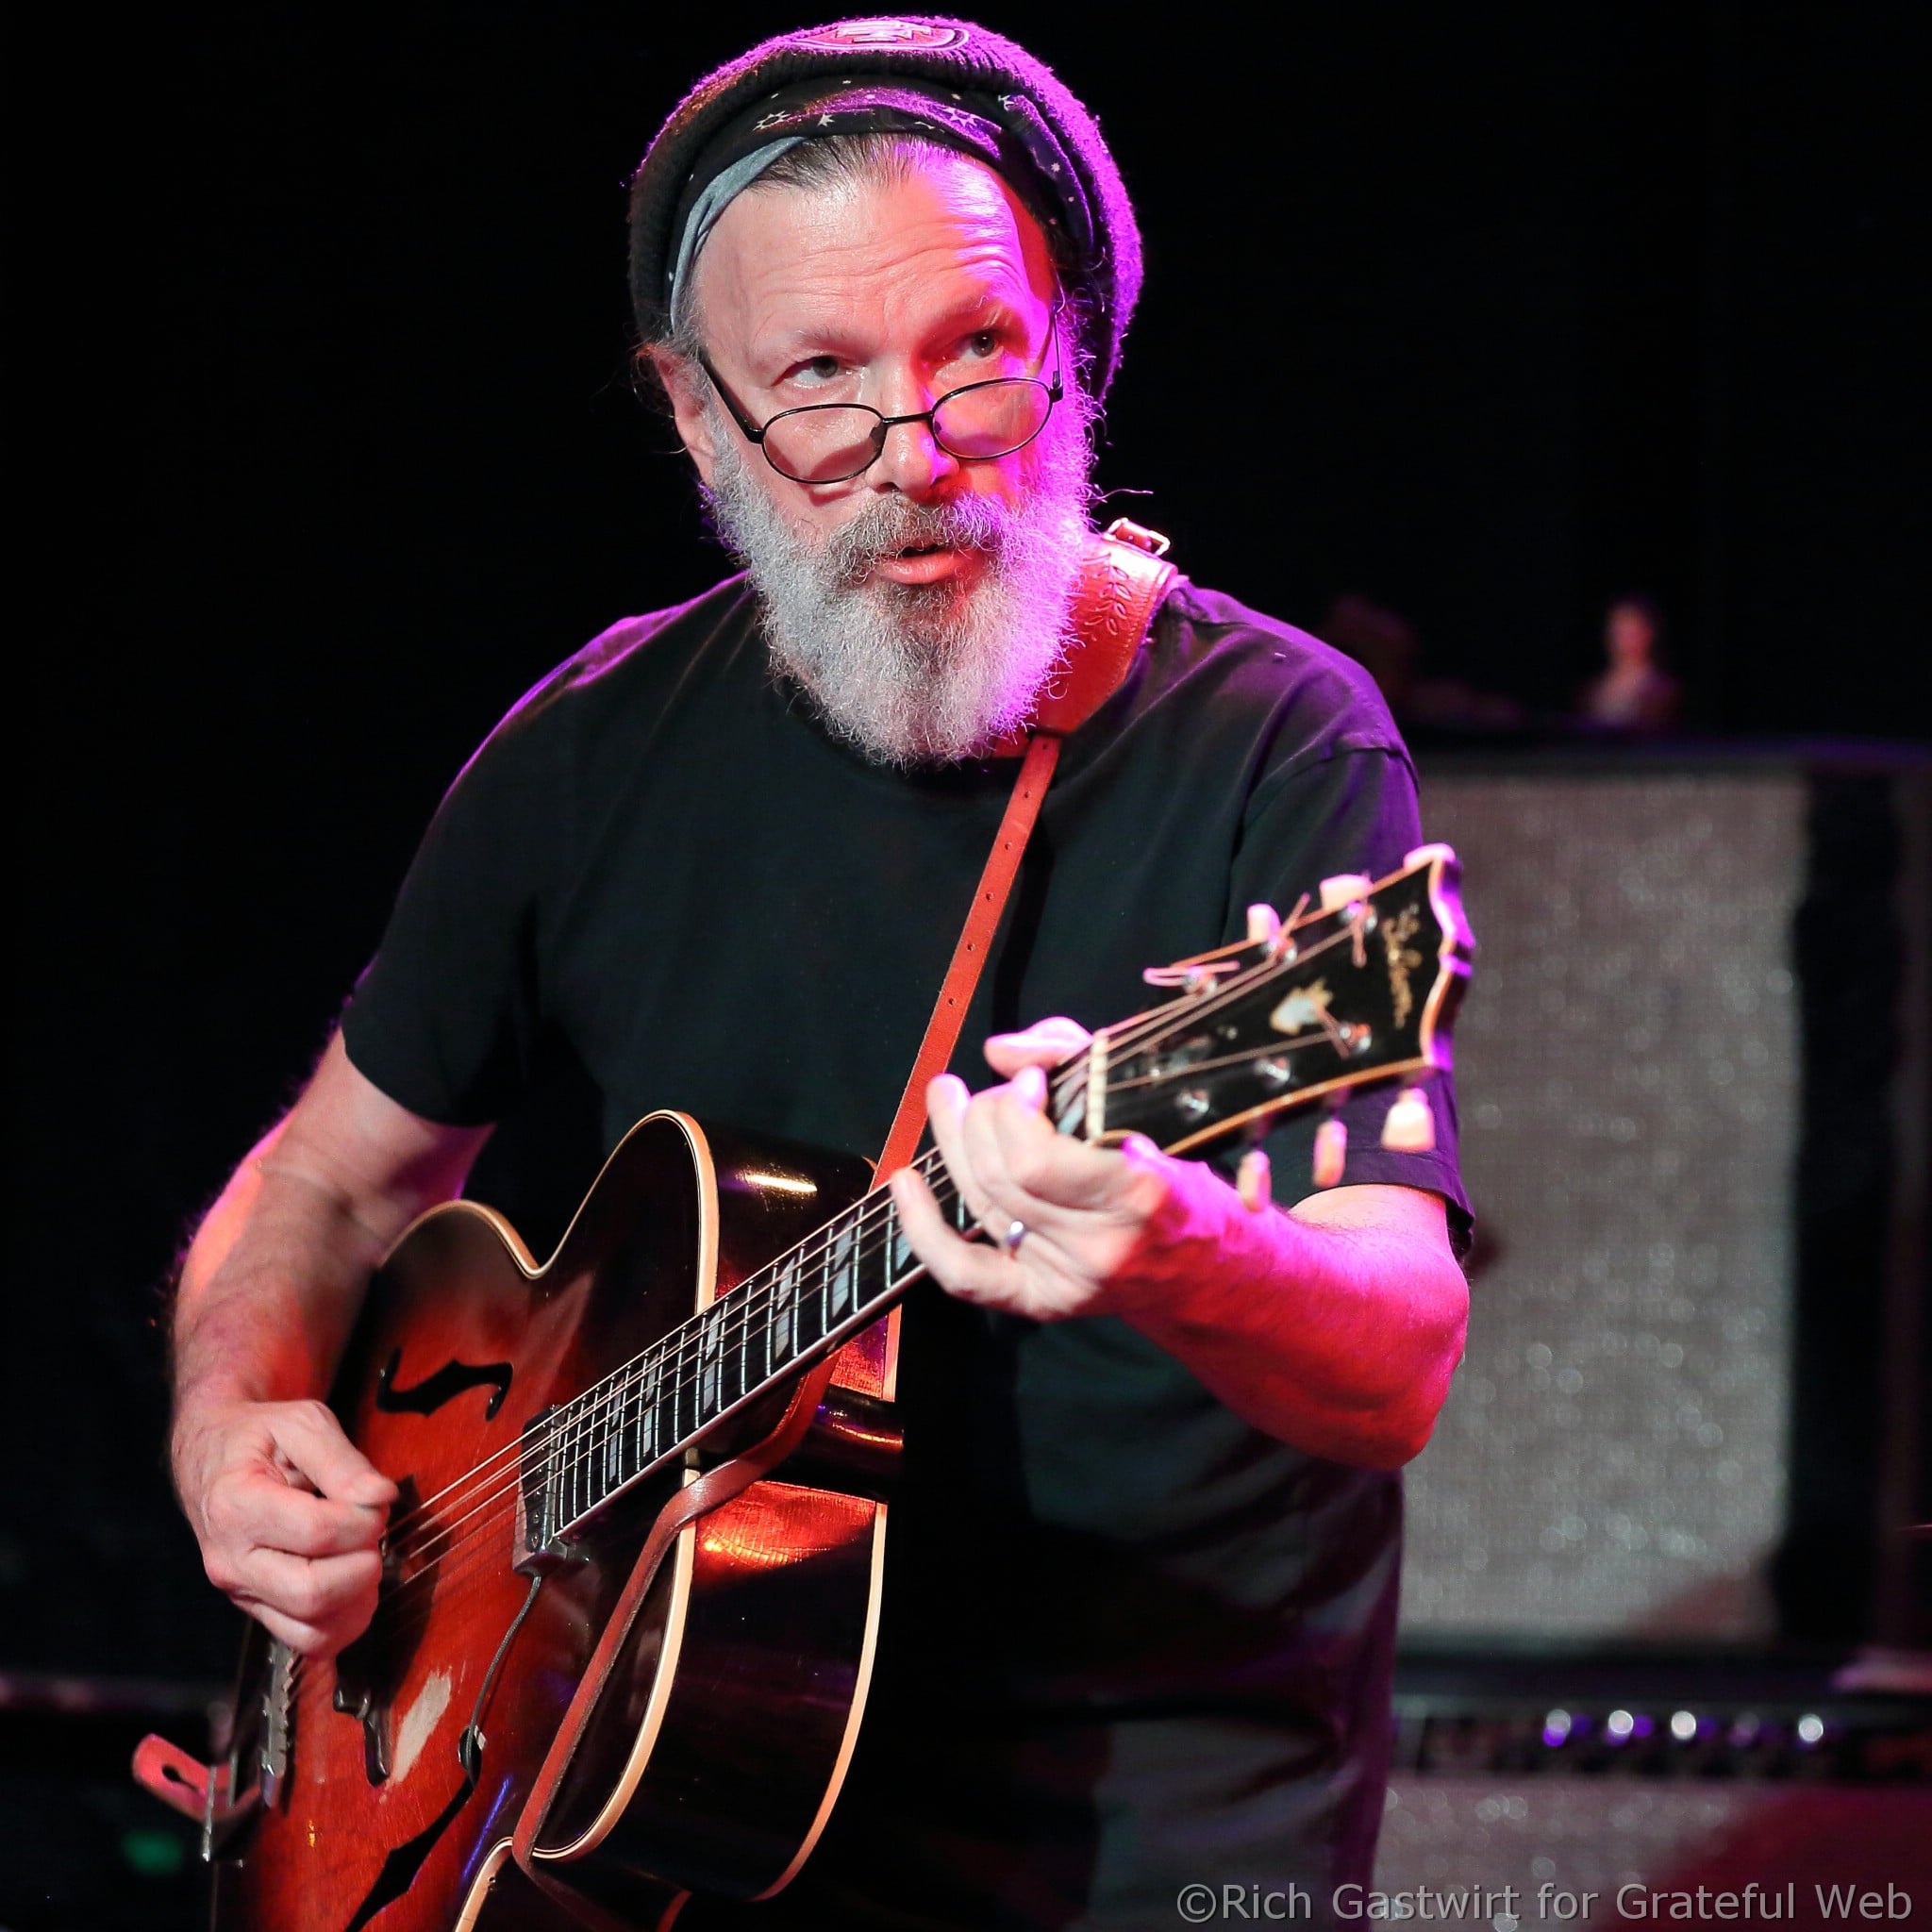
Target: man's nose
911, 461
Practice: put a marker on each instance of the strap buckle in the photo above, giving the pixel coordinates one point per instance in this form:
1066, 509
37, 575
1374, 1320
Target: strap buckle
1125, 531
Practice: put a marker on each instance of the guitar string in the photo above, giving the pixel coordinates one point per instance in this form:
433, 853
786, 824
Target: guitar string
574, 1451
571, 1449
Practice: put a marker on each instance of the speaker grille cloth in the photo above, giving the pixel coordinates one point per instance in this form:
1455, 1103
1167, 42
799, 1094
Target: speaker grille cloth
1612, 1460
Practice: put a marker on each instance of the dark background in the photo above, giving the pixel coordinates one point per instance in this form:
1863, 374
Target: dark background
327, 452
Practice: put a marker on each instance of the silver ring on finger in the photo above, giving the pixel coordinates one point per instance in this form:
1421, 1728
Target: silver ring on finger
1015, 1234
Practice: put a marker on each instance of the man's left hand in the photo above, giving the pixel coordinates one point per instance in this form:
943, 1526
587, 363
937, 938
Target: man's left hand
1071, 1229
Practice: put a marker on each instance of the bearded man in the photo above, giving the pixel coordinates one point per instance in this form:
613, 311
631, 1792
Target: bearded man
1140, 1589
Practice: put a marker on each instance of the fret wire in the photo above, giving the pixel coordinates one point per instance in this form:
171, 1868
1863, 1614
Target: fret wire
678, 1358
764, 1335
740, 1350
898, 1250
731, 1319
709, 1352
720, 1375
578, 1411
826, 1291
785, 1299
687, 1385
577, 1470
839, 1270
746, 1380
700, 1334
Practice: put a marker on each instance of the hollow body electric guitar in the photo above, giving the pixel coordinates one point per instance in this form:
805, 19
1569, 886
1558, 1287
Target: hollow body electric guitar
630, 1585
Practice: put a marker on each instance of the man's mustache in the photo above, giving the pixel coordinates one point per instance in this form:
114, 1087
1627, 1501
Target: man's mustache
894, 524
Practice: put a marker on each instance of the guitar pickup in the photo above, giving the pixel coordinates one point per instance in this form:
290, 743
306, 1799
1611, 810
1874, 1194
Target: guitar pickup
540, 1545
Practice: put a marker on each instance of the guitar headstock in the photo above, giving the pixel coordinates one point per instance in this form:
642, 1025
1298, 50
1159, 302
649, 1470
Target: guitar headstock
1364, 991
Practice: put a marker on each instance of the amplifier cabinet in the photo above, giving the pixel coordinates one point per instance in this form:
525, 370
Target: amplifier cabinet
1692, 1074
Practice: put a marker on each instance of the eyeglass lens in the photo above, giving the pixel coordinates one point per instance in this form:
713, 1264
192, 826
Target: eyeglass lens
832, 441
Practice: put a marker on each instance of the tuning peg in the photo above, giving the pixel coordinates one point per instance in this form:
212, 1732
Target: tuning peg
1264, 925
1345, 886
1409, 1127
1331, 1153
1252, 1181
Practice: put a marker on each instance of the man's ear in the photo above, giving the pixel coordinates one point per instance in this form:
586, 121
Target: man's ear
684, 383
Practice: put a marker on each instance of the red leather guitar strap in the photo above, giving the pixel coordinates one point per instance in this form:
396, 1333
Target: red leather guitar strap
1123, 581
982, 920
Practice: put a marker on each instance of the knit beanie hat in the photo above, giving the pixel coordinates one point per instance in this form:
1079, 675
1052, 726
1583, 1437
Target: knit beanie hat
944, 80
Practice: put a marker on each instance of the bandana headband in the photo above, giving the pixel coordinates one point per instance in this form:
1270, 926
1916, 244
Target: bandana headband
812, 112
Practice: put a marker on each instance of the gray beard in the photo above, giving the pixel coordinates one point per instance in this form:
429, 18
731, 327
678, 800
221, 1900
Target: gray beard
918, 673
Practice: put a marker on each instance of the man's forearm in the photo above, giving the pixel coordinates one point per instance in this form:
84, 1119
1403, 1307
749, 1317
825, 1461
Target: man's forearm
287, 1511
275, 1273
1338, 1337
269, 1291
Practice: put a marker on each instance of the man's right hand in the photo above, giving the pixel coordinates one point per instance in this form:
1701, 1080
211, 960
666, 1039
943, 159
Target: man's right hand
289, 1515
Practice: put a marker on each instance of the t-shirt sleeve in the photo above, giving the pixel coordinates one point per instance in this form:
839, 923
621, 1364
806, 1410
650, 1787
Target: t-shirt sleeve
445, 1018
1344, 809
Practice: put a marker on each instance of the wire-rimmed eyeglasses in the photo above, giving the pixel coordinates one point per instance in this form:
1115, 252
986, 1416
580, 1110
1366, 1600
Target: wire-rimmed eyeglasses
832, 442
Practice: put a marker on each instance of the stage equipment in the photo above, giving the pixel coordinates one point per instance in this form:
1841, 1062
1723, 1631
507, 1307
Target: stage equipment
1693, 1097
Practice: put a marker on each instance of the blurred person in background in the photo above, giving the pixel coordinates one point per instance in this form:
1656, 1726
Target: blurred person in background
1633, 692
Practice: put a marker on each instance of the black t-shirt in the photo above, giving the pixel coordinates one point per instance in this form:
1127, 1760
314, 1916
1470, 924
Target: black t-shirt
1130, 1643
